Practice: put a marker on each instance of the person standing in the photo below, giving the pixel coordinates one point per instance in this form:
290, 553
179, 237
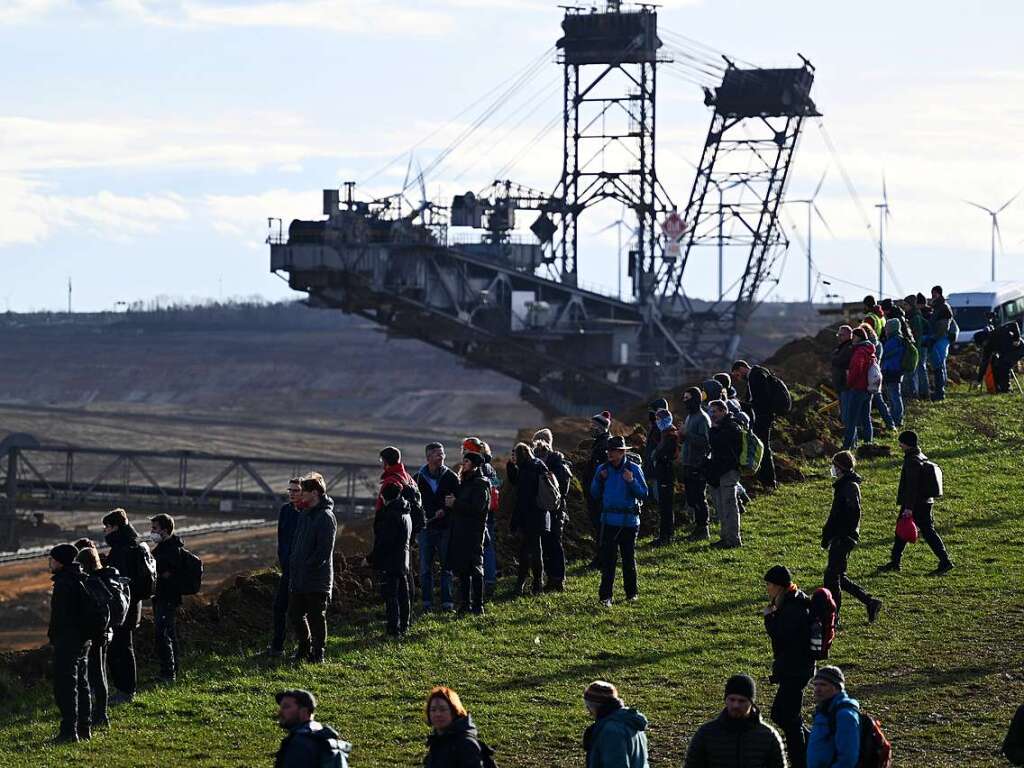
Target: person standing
1013, 742
551, 542
467, 510
651, 441
287, 519
529, 521
453, 740
663, 460
841, 533
435, 482
839, 365
834, 741
309, 744
476, 445
938, 339
312, 569
617, 738
600, 424
762, 414
787, 622
858, 409
167, 596
89, 558
894, 347
392, 534
738, 737
722, 471
694, 454
70, 643
620, 485
913, 501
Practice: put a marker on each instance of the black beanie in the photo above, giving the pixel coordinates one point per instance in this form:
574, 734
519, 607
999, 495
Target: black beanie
908, 438
473, 458
64, 554
693, 405
779, 574
741, 685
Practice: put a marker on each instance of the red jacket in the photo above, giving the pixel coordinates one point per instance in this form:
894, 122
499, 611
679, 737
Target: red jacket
857, 373
395, 474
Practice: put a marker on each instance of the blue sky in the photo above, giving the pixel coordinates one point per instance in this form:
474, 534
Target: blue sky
143, 144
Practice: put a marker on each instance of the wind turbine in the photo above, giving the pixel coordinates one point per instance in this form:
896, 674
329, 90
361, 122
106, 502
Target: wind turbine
812, 207
995, 226
883, 216
618, 231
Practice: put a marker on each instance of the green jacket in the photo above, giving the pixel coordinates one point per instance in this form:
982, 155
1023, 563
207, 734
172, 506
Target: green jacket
618, 740
919, 325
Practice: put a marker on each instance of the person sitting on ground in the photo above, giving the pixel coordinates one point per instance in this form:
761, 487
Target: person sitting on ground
453, 740
435, 482
738, 737
529, 521
130, 557
696, 448
551, 542
167, 595
834, 741
89, 559
71, 644
663, 460
841, 533
312, 569
308, 743
600, 424
392, 533
467, 509
1013, 744
287, 519
620, 485
617, 738
722, 471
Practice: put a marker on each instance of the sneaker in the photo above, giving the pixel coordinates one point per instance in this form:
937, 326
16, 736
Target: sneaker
607, 603
891, 566
873, 609
945, 567
633, 598
317, 657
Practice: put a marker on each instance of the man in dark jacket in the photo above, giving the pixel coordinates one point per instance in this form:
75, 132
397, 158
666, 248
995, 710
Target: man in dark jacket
435, 482
130, 557
312, 569
787, 622
1013, 744
913, 502
287, 520
722, 471
551, 542
392, 533
468, 512
938, 341
663, 459
738, 737
761, 414
651, 442
529, 521
70, 646
600, 424
840, 364
696, 446
167, 596
308, 743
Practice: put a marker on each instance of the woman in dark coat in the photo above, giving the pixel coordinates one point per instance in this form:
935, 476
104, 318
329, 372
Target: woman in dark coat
468, 523
453, 742
528, 520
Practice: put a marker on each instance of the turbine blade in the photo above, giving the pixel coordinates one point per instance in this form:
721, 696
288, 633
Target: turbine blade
980, 207
885, 192
408, 170
1008, 202
999, 234
821, 181
822, 219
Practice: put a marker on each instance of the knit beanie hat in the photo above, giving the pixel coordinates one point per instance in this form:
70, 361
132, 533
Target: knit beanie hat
833, 675
64, 554
741, 685
713, 389
473, 458
908, 438
544, 435
892, 327
780, 575
656, 405
602, 419
600, 693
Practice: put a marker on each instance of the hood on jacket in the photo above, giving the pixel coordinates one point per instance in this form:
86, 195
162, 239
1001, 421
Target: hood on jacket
892, 327
830, 705
627, 717
850, 476
460, 726
396, 473
73, 571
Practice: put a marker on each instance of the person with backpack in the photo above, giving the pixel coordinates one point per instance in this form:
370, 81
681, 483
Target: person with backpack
467, 510
133, 560
167, 595
894, 359
453, 741
1013, 743
312, 569
529, 521
766, 391
619, 484
600, 424
875, 381
435, 482
841, 533
663, 461
392, 534
738, 737
70, 639
695, 450
722, 470
787, 620
617, 738
551, 542
287, 519
834, 741
915, 498
309, 744
116, 594
858, 410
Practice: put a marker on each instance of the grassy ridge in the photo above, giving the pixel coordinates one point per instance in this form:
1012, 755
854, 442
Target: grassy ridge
942, 668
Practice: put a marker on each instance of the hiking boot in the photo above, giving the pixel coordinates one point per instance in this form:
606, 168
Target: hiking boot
945, 567
64, 738
317, 657
84, 732
633, 598
607, 603
273, 653
891, 566
874, 606
699, 534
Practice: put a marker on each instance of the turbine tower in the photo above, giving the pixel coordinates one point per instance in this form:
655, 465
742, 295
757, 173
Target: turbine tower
883, 217
812, 207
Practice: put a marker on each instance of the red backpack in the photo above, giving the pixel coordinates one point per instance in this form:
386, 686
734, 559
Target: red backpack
875, 748
823, 622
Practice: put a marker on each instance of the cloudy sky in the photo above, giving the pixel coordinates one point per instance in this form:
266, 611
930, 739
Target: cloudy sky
144, 143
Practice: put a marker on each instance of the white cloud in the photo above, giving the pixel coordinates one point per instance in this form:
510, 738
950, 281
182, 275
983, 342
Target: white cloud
245, 216
20, 11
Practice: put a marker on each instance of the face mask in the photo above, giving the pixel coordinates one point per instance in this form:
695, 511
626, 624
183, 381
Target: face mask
665, 423
834, 471
156, 538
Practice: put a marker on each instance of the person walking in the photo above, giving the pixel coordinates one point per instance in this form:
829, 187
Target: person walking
663, 460
738, 737
287, 519
939, 342
529, 521
694, 454
600, 423
841, 533
722, 471
620, 485
167, 595
839, 364
392, 534
894, 348
467, 510
435, 482
308, 744
453, 741
834, 741
551, 542
70, 642
312, 569
787, 622
617, 738
762, 414
913, 501
858, 409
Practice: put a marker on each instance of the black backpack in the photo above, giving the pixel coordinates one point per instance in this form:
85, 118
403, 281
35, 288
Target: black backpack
929, 483
190, 572
119, 592
779, 399
144, 580
411, 493
93, 607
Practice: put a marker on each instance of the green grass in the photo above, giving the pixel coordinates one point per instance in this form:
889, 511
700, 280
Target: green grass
942, 667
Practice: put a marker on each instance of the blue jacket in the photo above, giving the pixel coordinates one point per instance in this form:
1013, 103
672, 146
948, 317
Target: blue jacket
892, 356
841, 749
287, 520
618, 740
620, 500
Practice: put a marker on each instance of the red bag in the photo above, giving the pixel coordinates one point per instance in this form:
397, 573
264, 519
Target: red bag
906, 529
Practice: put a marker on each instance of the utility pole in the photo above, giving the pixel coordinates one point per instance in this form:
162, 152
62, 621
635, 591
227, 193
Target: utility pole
881, 249
721, 243
69, 295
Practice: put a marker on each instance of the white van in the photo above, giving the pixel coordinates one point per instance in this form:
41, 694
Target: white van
970, 308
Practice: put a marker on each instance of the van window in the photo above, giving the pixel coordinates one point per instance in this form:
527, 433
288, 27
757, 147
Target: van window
970, 318
1012, 310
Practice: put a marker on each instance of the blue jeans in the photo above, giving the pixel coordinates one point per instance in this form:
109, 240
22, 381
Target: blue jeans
490, 557
858, 412
921, 387
939, 353
894, 392
844, 407
434, 543
883, 409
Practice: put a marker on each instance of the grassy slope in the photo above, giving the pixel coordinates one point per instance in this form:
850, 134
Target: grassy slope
942, 668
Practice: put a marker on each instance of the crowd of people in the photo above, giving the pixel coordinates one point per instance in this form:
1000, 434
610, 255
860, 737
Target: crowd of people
448, 514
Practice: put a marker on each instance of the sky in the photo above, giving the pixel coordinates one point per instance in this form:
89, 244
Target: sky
145, 143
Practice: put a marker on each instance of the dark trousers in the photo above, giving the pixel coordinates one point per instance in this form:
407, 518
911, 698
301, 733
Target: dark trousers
165, 616
307, 612
395, 590
836, 581
666, 501
71, 686
531, 560
616, 540
926, 524
696, 496
280, 613
97, 662
471, 591
787, 713
121, 658
763, 429
594, 513
554, 553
